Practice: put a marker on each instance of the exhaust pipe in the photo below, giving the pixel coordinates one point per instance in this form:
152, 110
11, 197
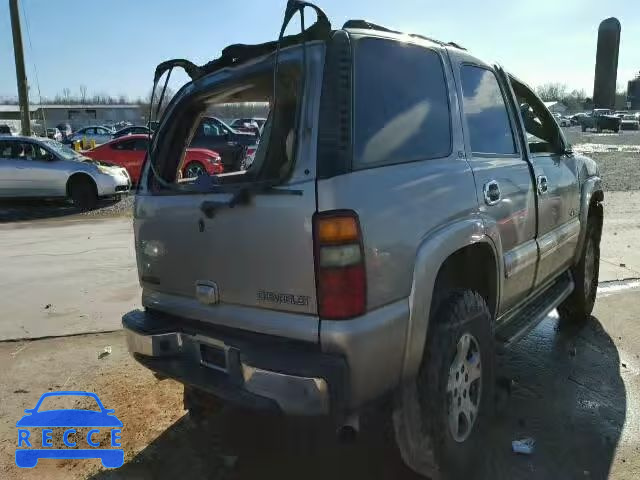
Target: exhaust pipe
348, 431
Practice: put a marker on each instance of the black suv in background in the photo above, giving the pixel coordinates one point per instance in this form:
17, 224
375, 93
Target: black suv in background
231, 144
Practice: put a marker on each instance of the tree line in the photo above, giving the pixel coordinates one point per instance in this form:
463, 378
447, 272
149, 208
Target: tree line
575, 100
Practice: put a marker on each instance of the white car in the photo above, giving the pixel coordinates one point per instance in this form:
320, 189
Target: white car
41, 167
562, 121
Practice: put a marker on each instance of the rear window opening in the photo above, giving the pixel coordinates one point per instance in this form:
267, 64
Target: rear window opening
202, 152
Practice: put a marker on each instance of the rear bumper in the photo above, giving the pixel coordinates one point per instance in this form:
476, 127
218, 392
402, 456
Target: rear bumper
258, 372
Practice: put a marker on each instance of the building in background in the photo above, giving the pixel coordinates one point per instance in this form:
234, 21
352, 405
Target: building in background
75, 115
633, 93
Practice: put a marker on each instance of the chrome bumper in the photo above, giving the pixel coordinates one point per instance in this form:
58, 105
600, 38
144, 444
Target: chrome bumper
294, 395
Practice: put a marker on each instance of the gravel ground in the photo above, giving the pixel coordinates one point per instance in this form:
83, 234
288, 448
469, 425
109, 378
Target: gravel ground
24, 210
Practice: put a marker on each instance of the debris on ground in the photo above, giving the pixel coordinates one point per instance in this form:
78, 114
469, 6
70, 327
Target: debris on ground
21, 390
624, 265
524, 446
624, 365
47, 306
105, 352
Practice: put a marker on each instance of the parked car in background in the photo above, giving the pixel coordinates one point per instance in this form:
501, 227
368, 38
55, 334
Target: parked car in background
600, 119
99, 134
153, 125
575, 119
132, 130
39, 167
65, 130
253, 125
5, 130
562, 120
54, 134
214, 134
129, 152
630, 122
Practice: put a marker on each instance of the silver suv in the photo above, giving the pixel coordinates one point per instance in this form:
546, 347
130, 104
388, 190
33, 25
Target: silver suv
410, 208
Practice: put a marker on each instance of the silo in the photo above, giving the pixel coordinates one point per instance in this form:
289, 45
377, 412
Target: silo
604, 84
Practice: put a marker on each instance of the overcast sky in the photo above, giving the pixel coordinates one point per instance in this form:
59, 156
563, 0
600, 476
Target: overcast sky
113, 46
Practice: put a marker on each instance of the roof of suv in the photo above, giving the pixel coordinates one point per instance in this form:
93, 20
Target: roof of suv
365, 27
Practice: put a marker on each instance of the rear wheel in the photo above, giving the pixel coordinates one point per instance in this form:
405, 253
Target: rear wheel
441, 420
83, 193
579, 305
194, 170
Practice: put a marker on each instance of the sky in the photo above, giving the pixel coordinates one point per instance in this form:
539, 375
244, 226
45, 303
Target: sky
113, 46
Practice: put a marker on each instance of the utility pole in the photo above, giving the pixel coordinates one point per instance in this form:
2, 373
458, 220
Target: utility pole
23, 95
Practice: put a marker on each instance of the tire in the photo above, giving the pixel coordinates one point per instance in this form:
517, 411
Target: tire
424, 429
578, 306
83, 193
194, 170
616, 130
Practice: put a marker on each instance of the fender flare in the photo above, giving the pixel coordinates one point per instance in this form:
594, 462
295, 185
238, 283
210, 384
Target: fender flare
592, 186
431, 255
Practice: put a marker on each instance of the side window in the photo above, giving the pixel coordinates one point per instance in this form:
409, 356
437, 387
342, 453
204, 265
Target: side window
141, 144
210, 129
6, 150
125, 145
401, 109
88, 131
543, 134
486, 112
25, 151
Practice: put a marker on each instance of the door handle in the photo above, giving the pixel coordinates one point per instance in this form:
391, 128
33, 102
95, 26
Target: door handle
491, 191
543, 184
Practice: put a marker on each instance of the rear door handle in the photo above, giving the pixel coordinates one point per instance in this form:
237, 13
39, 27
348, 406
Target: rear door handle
491, 191
543, 184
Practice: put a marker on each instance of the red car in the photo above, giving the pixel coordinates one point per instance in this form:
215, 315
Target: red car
129, 152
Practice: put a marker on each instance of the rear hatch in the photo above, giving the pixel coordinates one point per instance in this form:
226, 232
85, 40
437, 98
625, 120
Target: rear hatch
237, 249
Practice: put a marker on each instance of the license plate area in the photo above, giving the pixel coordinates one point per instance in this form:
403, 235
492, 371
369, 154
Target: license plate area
213, 356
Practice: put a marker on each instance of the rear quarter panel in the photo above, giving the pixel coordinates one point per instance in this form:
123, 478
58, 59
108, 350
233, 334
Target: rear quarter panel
398, 206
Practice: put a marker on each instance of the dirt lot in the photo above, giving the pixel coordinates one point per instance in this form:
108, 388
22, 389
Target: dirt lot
575, 390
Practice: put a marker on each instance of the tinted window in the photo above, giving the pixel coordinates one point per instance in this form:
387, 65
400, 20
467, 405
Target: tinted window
141, 144
401, 104
6, 150
486, 112
125, 145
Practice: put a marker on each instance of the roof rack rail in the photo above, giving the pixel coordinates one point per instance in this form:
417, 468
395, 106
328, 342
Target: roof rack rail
364, 24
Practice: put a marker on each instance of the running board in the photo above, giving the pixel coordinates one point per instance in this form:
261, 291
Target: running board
518, 324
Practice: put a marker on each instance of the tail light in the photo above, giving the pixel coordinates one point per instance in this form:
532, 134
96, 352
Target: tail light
340, 272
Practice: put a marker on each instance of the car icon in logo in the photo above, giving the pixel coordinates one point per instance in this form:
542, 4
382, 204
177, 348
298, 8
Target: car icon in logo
27, 457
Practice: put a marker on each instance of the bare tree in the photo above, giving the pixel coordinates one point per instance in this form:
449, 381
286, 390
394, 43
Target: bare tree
66, 94
552, 92
83, 94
